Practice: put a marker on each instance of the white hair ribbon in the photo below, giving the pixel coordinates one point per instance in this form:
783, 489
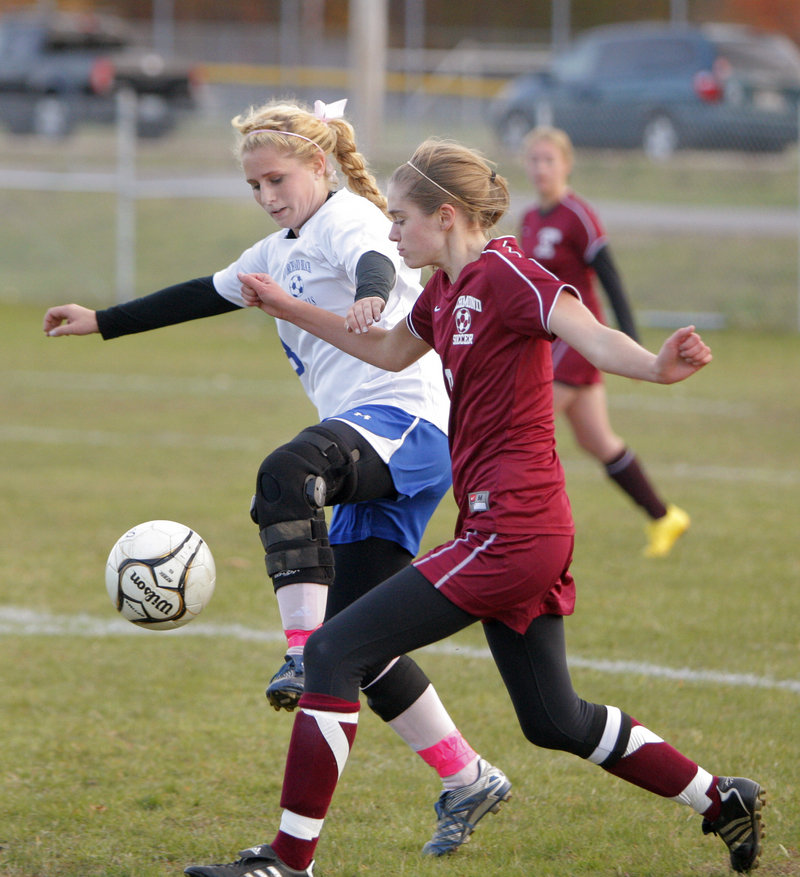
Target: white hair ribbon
326, 112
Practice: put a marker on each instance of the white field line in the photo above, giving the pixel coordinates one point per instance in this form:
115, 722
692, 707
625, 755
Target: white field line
221, 384
753, 221
576, 466
19, 621
224, 384
666, 402
29, 435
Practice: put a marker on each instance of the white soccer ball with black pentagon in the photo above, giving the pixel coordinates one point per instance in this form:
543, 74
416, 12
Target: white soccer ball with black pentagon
160, 574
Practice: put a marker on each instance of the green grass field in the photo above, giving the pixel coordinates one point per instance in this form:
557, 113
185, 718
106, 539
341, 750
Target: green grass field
129, 753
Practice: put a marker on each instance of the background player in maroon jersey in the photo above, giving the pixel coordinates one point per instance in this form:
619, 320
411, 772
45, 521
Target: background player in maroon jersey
491, 314
563, 233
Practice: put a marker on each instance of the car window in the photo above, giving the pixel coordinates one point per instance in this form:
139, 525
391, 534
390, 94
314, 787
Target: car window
646, 57
17, 42
59, 41
767, 56
576, 63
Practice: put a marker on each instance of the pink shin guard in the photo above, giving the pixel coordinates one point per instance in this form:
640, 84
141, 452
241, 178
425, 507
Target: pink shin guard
449, 755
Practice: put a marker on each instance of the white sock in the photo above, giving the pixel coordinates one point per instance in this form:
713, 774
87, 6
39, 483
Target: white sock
427, 728
425, 722
302, 608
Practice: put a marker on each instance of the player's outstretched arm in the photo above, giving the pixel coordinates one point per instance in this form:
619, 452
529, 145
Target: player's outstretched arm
681, 355
70, 320
392, 350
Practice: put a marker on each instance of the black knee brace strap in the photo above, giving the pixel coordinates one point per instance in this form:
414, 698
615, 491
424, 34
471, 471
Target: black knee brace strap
396, 690
295, 482
298, 551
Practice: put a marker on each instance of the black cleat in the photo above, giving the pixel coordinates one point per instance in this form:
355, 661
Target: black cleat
739, 821
258, 861
286, 687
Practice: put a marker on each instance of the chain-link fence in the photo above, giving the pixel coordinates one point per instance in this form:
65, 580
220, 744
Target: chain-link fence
702, 216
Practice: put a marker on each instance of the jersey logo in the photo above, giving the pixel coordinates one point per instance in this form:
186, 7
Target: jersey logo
463, 318
295, 274
469, 301
479, 501
546, 242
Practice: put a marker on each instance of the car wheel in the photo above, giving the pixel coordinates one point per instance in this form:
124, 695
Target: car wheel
513, 129
155, 117
660, 137
51, 117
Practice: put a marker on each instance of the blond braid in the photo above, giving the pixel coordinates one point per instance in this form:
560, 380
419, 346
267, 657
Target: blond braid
354, 165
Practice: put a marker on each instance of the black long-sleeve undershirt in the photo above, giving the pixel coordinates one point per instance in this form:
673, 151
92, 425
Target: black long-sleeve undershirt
190, 300
194, 299
606, 270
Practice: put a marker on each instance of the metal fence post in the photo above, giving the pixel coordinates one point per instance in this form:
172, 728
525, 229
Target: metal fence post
126, 195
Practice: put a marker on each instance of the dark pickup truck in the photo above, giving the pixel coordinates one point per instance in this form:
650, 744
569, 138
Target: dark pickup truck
60, 70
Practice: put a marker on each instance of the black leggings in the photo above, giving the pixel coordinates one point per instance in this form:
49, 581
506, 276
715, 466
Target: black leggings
407, 612
360, 566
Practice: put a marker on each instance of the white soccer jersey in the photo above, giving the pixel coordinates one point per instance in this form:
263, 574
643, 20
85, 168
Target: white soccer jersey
319, 266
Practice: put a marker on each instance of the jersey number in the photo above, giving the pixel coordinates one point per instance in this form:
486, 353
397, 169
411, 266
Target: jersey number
294, 359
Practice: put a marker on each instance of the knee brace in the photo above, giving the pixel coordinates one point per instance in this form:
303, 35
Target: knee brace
395, 691
294, 484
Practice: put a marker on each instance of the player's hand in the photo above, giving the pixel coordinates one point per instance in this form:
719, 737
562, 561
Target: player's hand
681, 355
69, 320
261, 291
363, 313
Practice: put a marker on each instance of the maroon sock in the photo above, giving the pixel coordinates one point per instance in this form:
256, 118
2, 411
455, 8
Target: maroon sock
629, 475
322, 735
654, 765
716, 802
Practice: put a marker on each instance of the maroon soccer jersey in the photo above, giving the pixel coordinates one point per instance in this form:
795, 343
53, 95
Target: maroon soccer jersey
565, 240
507, 477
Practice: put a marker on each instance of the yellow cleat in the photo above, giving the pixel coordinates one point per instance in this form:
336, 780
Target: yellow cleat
664, 532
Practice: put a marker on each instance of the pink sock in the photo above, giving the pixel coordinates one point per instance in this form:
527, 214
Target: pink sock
296, 639
450, 755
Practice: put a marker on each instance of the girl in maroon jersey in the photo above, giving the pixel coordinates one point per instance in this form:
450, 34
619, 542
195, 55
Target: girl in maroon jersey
563, 233
491, 314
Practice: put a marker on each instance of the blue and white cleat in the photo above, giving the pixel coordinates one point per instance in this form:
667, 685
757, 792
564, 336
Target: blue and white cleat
460, 810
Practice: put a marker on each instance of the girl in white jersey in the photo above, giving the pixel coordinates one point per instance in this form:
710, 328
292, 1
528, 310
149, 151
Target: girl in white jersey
491, 314
379, 454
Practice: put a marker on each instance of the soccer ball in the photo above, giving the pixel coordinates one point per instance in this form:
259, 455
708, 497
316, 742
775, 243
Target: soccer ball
160, 575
